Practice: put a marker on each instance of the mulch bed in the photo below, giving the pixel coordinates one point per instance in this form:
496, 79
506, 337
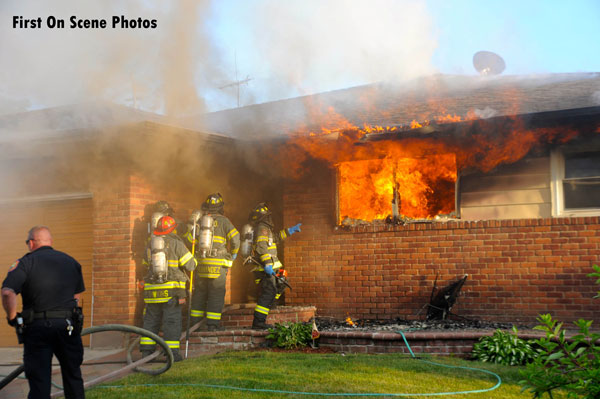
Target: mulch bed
331, 324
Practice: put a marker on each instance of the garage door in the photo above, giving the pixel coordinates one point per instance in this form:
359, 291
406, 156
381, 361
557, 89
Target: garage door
70, 222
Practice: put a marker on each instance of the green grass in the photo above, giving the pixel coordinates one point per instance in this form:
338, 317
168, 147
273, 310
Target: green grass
327, 373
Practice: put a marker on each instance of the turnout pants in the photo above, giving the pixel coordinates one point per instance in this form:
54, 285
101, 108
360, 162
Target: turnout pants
166, 315
42, 339
209, 298
266, 296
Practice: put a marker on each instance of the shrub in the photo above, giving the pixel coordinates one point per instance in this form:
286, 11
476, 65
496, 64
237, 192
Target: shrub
290, 335
572, 365
503, 348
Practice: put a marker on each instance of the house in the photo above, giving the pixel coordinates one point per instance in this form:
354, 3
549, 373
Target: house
511, 196
91, 173
506, 160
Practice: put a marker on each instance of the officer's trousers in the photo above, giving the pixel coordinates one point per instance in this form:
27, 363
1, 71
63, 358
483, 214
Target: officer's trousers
42, 339
209, 297
166, 315
266, 296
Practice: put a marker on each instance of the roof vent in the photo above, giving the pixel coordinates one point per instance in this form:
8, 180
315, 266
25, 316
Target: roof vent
488, 63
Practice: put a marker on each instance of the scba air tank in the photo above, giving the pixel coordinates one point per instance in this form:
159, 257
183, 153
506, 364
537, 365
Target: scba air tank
205, 237
247, 239
158, 259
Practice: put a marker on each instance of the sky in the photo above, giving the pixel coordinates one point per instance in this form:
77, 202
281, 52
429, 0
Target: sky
285, 48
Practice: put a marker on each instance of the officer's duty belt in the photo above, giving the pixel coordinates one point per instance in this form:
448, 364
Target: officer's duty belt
53, 314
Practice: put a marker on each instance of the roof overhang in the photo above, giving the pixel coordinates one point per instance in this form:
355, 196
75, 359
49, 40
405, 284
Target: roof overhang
578, 118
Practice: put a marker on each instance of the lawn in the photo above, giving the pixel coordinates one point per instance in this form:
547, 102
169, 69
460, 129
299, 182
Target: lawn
266, 374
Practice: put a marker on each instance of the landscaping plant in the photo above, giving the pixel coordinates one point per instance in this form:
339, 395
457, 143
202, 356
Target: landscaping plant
290, 335
504, 348
570, 364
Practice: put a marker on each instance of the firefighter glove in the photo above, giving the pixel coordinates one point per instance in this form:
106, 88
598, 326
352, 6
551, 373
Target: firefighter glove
269, 270
294, 229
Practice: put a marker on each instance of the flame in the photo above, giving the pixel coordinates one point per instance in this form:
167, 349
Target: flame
422, 168
350, 322
366, 188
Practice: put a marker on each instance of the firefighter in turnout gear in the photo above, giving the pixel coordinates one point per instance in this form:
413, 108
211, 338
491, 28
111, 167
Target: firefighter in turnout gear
267, 263
160, 209
217, 246
165, 285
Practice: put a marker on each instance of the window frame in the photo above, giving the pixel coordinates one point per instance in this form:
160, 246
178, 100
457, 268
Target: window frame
557, 173
336, 177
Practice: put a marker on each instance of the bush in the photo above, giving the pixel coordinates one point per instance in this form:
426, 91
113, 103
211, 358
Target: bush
572, 365
290, 335
503, 348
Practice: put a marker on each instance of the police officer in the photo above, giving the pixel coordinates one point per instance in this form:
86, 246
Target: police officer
216, 257
164, 285
267, 264
50, 283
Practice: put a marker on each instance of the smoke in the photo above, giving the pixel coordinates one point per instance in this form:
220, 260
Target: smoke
287, 48
314, 46
151, 69
176, 69
485, 113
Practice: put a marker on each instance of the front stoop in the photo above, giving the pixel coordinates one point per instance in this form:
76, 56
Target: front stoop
241, 315
238, 335
202, 343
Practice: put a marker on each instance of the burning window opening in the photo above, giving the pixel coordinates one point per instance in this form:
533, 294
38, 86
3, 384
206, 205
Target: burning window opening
397, 173
396, 189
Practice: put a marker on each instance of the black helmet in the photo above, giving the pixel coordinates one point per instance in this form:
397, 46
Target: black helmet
260, 212
164, 208
213, 203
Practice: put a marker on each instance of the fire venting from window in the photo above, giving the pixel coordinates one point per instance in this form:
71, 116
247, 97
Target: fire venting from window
419, 188
411, 170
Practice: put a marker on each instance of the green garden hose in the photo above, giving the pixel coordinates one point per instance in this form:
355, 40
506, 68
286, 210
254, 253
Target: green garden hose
278, 391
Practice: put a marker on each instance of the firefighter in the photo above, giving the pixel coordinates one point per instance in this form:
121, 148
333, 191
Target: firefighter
266, 260
218, 243
165, 285
160, 209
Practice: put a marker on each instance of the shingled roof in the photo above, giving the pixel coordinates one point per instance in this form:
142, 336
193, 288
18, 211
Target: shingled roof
423, 99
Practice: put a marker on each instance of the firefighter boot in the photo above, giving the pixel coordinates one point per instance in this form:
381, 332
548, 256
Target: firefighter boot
177, 356
259, 324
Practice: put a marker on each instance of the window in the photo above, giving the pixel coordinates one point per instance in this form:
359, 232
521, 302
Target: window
414, 188
575, 183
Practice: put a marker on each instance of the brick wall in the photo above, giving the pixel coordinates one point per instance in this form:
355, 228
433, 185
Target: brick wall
120, 233
113, 268
517, 268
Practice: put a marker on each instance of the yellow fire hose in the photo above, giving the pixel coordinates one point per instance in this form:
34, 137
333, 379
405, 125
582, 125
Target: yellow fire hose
189, 312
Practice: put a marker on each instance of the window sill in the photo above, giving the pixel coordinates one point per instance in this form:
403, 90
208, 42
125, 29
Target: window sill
578, 213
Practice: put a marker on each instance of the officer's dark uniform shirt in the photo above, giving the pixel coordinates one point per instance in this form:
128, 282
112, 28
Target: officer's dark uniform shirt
46, 279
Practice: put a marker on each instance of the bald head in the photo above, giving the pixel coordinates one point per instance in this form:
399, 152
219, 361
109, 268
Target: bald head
39, 236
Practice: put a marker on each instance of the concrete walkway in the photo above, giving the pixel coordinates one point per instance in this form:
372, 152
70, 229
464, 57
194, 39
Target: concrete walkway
11, 358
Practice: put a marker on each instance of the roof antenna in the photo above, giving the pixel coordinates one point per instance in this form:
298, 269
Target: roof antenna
237, 83
488, 63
